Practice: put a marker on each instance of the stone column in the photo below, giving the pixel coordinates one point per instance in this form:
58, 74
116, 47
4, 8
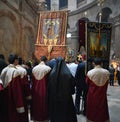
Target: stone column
72, 5
54, 5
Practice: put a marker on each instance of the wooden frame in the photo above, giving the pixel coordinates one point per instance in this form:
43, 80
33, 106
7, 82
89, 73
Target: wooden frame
98, 42
51, 37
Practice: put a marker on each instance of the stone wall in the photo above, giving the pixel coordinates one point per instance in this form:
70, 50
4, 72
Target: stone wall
18, 27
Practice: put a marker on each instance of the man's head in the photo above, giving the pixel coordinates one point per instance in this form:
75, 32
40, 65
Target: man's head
43, 58
13, 59
20, 61
111, 65
83, 57
2, 56
97, 61
28, 64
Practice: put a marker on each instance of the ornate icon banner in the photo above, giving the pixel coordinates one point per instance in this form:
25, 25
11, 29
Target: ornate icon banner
51, 38
98, 42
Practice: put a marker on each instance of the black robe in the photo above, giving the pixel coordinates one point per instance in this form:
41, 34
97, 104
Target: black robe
60, 89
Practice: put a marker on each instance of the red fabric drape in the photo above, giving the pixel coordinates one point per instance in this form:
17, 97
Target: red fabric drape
81, 33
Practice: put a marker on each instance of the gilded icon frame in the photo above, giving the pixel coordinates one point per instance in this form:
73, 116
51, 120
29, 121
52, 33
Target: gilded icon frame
98, 42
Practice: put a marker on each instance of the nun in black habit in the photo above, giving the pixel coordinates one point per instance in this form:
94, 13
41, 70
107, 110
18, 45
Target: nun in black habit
61, 86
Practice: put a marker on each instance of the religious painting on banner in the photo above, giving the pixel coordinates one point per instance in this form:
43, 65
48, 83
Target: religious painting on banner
51, 38
98, 42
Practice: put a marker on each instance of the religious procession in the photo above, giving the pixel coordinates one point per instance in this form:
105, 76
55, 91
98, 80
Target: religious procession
59, 61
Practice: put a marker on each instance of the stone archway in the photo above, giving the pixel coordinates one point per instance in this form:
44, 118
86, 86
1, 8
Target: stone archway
105, 14
8, 33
